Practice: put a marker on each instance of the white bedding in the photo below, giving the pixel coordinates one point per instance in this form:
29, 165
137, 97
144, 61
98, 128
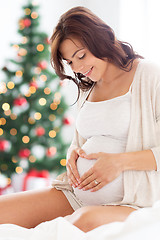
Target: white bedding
141, 224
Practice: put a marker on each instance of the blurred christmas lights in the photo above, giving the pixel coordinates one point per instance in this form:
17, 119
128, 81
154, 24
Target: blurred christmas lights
37, 116
43, 78
13, 132
5, 106
1, 131
52, 134
34, 15
27, 11
2, 121
53, 106
42, 101
52, 117
47, 90
63, 162
10, 85
19, 73
40, 47
25, 139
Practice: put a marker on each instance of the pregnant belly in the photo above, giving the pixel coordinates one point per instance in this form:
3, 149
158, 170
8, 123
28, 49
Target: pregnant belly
113, 191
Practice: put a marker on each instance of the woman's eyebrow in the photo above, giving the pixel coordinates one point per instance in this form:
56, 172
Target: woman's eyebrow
74, 53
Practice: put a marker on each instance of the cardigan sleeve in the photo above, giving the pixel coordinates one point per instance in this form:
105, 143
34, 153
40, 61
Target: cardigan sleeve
74, 144
156, 150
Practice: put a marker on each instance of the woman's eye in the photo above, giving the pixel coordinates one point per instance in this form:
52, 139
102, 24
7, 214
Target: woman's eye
82, 56
69, 63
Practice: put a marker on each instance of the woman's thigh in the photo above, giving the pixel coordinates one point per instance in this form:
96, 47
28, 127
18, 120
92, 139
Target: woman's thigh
90, 217
30, 208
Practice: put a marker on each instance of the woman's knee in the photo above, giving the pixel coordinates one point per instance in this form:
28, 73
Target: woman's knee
84, 219
90, 217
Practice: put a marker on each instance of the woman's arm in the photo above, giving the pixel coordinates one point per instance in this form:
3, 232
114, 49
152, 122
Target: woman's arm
140, 160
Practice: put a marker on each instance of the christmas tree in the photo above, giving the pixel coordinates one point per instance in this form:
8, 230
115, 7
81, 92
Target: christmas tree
32, 108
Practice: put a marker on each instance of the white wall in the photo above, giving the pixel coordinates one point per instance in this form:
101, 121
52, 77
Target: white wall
108, 10
139, 25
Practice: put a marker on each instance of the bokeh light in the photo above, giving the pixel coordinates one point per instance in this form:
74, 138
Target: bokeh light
19, 73
34, 15
10, 85
37, 116
43, 78
5, 106
53, 106
27, 11
13, 131
52, 133
40, 47
63, 162
25, 139
19, 170
42, 101
31, 120
47, 90
2, 121
1, 131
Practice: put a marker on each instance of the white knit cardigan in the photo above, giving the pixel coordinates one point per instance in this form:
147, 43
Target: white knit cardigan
141, 188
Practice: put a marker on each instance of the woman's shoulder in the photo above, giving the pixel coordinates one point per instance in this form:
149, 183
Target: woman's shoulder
147, 76
149, 67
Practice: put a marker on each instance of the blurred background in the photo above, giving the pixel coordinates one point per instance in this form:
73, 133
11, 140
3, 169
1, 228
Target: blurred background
33, 152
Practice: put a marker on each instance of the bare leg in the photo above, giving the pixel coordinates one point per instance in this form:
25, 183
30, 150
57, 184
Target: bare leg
90, 217
30, 208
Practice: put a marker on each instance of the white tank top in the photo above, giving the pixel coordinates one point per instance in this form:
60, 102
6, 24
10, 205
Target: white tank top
105, 126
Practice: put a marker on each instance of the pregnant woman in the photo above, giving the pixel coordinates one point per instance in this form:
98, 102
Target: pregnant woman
114, 158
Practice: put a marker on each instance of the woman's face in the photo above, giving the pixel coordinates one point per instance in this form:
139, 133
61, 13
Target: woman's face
81, 60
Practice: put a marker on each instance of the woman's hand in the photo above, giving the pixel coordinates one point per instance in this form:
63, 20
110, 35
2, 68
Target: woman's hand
107, 167
72, 172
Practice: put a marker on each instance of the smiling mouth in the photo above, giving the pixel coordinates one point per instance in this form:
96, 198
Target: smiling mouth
88, 72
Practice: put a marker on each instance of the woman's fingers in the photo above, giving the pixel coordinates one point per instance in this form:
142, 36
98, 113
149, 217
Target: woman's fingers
91, 183
80, 152
75, 173
98, 186
92, 156
71, 178
71, 166
86, 175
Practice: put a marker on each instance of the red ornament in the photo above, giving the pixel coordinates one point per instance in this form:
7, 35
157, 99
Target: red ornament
40, 131
33, 174
42, 65
24, 153
4, 145
33, 84
68, 121
27, 22
19, 101
51, 151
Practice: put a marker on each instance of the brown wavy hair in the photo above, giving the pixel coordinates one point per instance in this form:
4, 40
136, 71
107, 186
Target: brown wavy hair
96, 36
